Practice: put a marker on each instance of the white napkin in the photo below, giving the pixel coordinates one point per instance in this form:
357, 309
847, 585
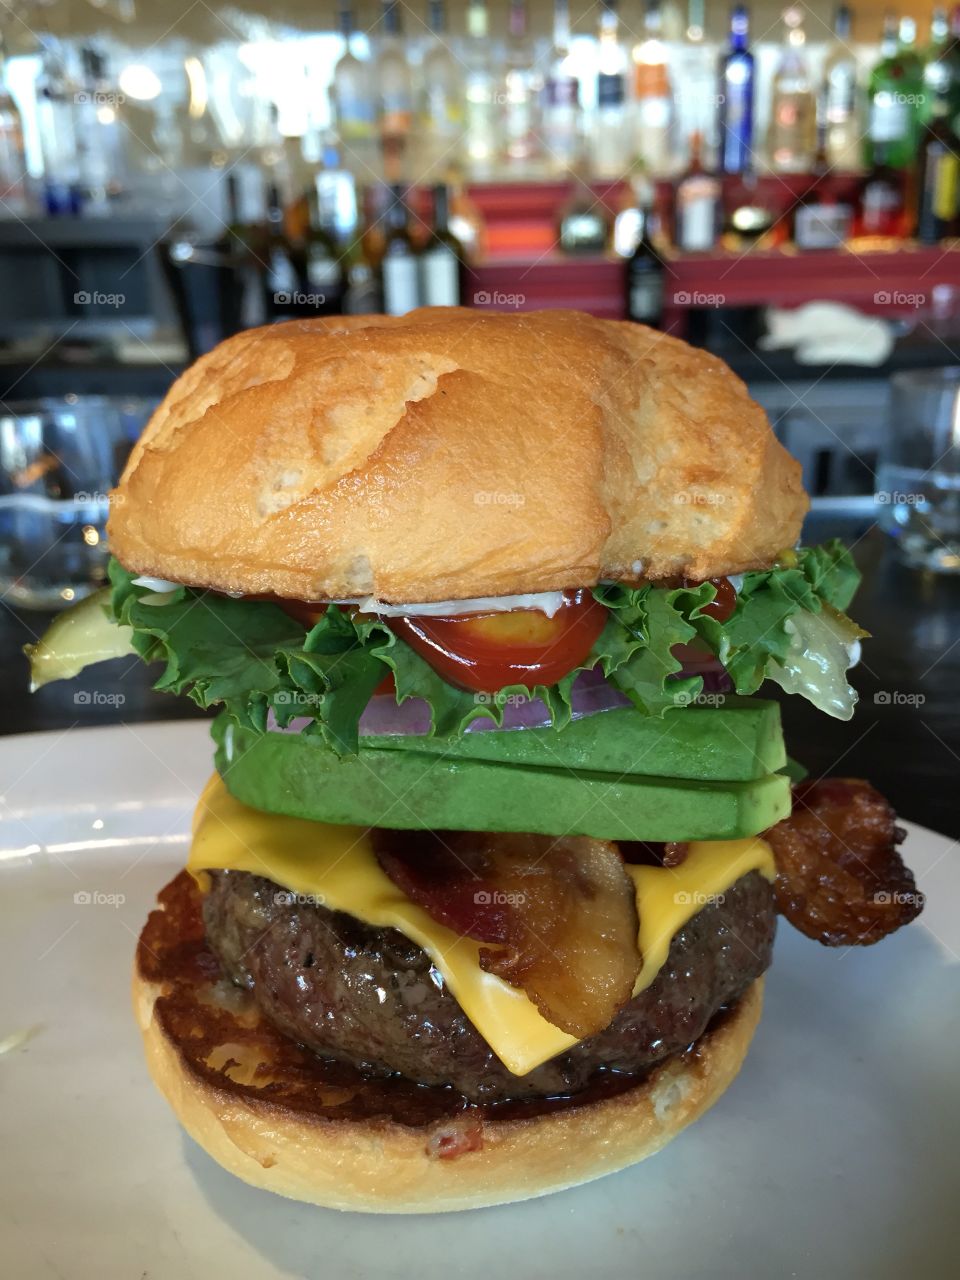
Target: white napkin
828, 333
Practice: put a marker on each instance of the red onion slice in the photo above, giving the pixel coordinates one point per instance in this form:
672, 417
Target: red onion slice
592, 694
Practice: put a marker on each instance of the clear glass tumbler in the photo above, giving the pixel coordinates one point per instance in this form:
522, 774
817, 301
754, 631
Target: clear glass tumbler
59, 458
918, 479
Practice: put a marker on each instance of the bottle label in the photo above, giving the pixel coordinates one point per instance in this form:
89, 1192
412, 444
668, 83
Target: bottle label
400, 293
738, 106
440, 278
610, 90
323, 272
840, 97
281, 276
821, 226
646, 297
583, 231
889, 117
396, 113
441, 113
697, 215
947, 168
356, 119
651, 80
563, 91
880, 197
518, 128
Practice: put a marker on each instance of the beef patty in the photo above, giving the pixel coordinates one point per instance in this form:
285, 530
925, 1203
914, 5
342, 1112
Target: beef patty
373, 998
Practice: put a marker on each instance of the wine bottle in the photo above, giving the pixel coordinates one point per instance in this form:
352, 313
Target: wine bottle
939, 171
645, 276
324, 272
398, 266
281, 282
440, 262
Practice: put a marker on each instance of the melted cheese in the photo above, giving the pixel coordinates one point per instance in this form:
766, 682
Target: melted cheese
335, 867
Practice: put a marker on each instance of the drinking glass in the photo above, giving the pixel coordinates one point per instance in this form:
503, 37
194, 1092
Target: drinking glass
918, 479
59, 458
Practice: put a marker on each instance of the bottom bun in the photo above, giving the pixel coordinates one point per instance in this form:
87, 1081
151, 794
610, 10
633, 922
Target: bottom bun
281, 1119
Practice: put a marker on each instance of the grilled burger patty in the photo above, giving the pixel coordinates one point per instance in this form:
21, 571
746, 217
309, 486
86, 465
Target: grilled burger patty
372, 997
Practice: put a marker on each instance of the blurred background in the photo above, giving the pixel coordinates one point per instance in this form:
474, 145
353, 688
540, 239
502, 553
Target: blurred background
780, 185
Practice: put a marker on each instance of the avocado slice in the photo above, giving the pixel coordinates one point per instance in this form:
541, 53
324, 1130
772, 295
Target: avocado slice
737, 741
299, 775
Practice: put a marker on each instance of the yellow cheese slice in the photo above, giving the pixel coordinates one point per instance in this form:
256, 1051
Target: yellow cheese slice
335, 867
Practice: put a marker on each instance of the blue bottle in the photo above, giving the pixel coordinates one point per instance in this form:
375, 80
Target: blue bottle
736, 88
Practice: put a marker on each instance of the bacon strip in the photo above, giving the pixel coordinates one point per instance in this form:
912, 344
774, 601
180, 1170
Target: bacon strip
561, 913
840, 877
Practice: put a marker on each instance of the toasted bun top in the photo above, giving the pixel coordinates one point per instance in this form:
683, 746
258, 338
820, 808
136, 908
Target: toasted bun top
450, 454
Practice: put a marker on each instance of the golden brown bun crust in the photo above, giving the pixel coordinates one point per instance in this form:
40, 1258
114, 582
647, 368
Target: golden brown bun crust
450, 454
377, 1164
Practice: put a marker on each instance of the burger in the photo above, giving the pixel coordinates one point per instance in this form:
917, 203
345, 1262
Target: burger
482, 891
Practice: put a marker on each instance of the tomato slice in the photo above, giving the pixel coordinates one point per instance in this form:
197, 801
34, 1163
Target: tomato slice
488, 651
306, 613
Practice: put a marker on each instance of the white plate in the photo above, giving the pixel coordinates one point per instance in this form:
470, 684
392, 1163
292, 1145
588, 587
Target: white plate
834, 1154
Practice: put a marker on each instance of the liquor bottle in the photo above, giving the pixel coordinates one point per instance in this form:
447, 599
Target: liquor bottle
696, 20
353, 99
697, 204
645, 276
441, 96
939, 172
582, 223
882, 210
377, 200
362, 294
57, 125
100, 150
440, 263
654, 98
736, 90
751, 217
230, 246
561, 108
281, 279
792, 133
362, 280
941, 68
907, 45
935, 66
693, 65
336, 193
611, 140
480, 141
323, 269
13, 162
952, 55
893, 93
466, 220
398, 265
837, 116
820, 219
393, 80
628, 221
521, 95
241, 255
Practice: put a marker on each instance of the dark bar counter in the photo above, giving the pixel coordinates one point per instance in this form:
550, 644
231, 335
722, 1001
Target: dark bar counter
904, 736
